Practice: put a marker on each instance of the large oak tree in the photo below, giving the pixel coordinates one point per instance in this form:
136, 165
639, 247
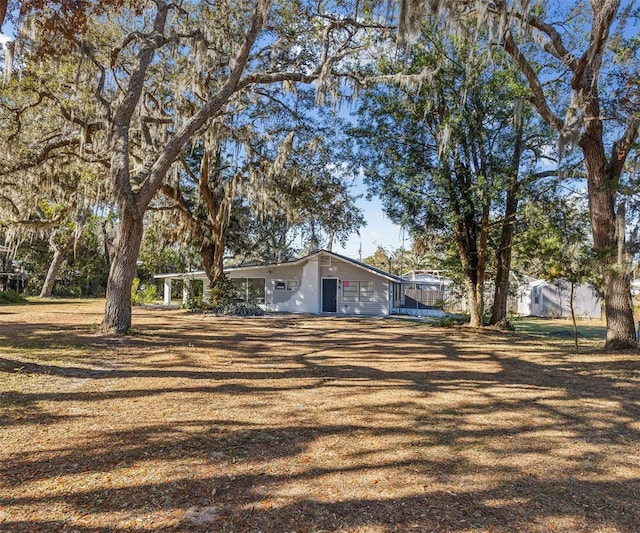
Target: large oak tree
160, 72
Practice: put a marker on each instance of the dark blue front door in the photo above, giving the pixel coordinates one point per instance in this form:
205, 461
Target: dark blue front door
329, 295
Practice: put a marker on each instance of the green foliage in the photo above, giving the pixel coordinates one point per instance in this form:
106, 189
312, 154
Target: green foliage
142, 293
380, 259
554, 242
84, 271
11, 297
401, 260
223, 292
159, 251
222, 299
450, 321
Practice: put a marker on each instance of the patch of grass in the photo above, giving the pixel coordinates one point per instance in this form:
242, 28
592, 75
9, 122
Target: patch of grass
35, 300
560, 328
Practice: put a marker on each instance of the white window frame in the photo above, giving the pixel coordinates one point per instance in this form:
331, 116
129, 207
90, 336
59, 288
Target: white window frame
359, 291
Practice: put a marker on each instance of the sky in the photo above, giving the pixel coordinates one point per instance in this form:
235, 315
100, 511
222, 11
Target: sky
379, 231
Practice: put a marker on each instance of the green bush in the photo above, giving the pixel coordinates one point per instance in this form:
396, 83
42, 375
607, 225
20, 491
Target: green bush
448, 322
222, 300
142, 293
222, 292
10, 297
236, 309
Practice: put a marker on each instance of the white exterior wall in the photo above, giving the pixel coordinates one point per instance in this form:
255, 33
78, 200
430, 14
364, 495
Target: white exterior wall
555, 301
303, 300
380, 304
283, 298
309, 298
524, 303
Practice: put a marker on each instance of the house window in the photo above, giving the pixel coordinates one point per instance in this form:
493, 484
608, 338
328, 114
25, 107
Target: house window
366, 291
250, 290
357, 291
255, 290
288, 285
349, 291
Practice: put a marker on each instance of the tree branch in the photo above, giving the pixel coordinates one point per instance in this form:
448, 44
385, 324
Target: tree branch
209, 109
621, 147
539, 99
592, 57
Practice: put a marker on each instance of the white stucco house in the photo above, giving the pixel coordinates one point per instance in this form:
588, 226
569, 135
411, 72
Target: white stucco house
321, 282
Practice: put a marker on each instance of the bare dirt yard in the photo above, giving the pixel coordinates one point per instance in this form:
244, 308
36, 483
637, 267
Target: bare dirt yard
309, 424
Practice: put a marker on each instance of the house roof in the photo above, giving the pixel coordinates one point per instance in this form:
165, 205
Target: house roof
359, 264
305, 258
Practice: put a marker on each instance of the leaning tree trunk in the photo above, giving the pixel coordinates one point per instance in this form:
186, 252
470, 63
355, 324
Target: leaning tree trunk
126, 247
52, 274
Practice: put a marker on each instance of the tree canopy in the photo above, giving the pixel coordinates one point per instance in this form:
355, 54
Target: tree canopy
145, 96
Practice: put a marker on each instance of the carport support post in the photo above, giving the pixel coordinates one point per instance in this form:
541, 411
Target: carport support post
167, 291
206, 287
186, 286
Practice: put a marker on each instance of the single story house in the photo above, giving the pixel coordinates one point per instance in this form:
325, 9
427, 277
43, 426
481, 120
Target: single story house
538, 297
321, 282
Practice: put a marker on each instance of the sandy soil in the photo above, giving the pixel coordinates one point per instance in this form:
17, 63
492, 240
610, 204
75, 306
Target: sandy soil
308, 424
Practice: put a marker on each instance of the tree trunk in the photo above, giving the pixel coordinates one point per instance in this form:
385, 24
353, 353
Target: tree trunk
207, 251
54, 268
117, 313
106, 242
219, 223
503, 256
468, 254
573, 315
213, 261
475, 302
602, 190
621, 333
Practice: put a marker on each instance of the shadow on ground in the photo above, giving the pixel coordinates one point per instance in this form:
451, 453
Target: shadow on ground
312, 424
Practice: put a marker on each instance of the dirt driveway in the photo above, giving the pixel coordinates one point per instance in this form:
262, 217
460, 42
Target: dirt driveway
308, 424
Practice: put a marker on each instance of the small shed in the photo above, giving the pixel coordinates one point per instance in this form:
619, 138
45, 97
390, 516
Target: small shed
542, 298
